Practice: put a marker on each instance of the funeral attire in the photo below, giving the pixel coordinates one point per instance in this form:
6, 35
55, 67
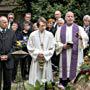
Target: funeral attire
26, 61
19, 37
35, 47
53, 58
72, 58
87, 30
10, 24
7, 41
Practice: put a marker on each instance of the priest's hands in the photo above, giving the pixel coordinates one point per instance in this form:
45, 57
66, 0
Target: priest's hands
65, 46
78, 36
40, 56
3, 57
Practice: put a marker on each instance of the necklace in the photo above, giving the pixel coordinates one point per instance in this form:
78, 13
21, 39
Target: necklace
41, 38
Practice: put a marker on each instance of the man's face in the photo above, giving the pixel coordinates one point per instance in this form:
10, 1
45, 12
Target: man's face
57, 15
42, 26
4, 24
11, 18
27, 17
60, 23
69, 18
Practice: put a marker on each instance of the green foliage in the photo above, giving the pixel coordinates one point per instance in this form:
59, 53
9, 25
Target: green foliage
46, 8
37, 86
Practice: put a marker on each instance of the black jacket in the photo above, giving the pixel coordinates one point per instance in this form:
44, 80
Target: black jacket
7, 42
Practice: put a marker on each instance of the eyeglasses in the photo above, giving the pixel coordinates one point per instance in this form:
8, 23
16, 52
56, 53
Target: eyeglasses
10, 18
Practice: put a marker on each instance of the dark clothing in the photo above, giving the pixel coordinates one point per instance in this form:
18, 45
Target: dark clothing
19, 37
7, 75
25, 39
86, 49
21, 25
54, 58
26, 61
7, 43
52, 30
64, 82
89, 36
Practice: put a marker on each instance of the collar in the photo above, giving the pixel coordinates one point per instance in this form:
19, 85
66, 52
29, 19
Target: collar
41, 32
2, 29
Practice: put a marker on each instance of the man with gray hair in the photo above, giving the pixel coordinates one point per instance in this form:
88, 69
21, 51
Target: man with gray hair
57, 15
7, 41
60, 22
10, 19
71, 39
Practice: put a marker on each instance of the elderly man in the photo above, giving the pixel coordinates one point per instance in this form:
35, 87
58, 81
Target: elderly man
7, 41
41, 45
10, 19
60, 23
71, 39
57, 15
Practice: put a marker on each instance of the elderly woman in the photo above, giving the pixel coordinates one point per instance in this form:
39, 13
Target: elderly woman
86, 25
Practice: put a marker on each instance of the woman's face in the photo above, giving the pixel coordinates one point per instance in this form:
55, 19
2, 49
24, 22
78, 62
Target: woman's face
14, 26
49, 25
26, 27
86, 22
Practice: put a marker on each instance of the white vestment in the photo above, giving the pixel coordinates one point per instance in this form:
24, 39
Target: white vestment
81, 45
34, 48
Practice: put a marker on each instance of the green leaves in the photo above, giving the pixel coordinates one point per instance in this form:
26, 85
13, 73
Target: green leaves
37, 86
46, 8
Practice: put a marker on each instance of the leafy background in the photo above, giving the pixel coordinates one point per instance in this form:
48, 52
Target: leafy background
46, 8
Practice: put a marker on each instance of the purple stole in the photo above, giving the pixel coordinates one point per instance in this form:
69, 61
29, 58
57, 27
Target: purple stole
74, 54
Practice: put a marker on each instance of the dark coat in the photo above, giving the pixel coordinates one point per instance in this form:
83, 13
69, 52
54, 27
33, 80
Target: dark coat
7, 42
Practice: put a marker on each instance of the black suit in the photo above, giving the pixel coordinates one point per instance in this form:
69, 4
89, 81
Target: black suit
7, 41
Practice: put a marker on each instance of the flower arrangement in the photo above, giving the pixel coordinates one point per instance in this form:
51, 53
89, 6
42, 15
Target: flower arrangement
20, 44
85, 67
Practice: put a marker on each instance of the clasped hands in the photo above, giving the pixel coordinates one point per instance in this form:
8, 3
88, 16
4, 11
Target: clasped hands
40, 56
3, 57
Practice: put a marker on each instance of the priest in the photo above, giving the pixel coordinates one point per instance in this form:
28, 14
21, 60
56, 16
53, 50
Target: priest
71, 39
41, 46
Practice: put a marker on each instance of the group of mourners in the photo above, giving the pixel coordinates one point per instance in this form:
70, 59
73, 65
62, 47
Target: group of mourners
50, 43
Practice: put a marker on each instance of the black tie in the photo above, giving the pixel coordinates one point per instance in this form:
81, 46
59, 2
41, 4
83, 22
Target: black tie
3, 31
